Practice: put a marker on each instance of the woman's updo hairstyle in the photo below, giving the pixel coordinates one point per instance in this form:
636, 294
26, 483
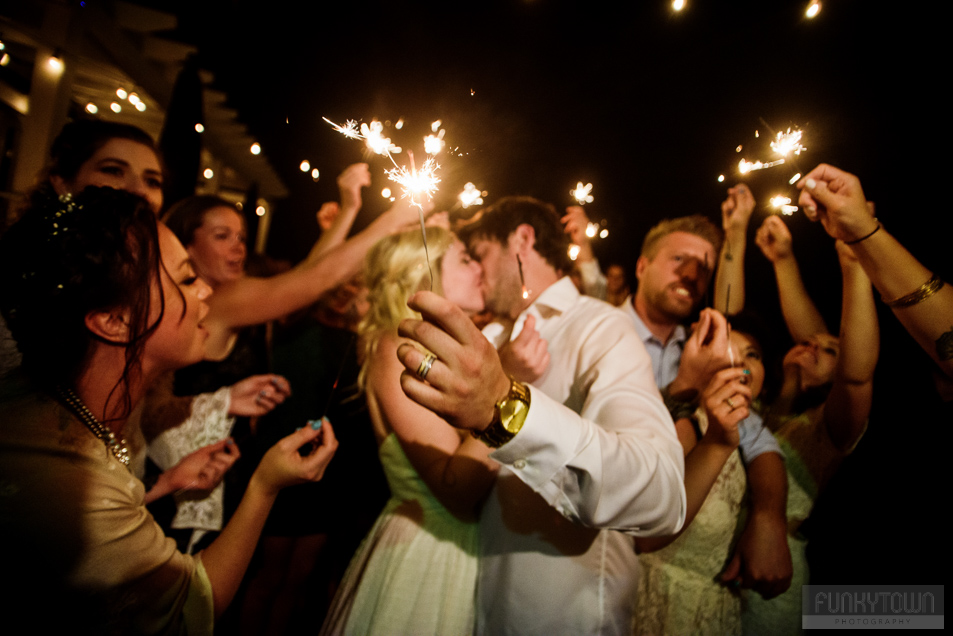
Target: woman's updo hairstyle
67, 257
81, 139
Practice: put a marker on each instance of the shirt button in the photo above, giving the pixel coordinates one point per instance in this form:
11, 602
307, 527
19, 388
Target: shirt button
519, 464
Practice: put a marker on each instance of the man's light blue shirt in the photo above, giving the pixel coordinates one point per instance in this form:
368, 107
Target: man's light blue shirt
755, 437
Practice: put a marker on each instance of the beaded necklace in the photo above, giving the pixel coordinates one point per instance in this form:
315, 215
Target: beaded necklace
116, 446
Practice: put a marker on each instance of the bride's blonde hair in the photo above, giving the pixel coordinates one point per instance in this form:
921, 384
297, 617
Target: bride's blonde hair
394, 269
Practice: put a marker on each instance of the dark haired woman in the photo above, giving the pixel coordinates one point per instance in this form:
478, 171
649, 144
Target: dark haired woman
824, 400
102, 301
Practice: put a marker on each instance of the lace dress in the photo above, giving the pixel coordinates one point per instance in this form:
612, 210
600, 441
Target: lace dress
679, 592
415, 573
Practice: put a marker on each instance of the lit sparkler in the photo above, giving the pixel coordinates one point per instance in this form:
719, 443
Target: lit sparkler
433, 144
415, 183
783, 204
582, 193
788, 142
745, 166
349, 129
785, 145
471, 196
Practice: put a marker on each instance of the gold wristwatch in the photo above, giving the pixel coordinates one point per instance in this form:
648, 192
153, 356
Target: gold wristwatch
508, 417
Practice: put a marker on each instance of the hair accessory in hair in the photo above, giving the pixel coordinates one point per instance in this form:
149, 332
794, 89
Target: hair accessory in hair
60, 216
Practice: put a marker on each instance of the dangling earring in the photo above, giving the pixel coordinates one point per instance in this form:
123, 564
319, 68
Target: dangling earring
522, 281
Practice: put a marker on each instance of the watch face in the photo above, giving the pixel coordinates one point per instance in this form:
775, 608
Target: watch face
513, 414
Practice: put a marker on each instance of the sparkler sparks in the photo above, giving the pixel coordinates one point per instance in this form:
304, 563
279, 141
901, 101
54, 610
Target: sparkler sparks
416, 183
785, 145
745, 166
349, 129
471, 196
433, 144
783, 203
373, 135
788, 142
582, 193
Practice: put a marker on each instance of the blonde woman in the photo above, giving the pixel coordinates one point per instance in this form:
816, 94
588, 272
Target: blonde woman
416, 571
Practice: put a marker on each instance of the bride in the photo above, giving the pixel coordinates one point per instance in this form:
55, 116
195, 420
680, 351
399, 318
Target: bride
416, 570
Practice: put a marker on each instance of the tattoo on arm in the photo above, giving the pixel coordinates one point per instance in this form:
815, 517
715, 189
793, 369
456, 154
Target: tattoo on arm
944, 346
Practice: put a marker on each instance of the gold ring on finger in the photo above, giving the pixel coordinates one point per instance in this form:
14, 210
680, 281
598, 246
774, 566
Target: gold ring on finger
731, 404
425, 366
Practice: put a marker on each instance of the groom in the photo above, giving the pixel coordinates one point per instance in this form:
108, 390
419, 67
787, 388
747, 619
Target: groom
589, 451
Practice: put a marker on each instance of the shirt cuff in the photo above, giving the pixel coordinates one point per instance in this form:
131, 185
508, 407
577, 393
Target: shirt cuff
547, 442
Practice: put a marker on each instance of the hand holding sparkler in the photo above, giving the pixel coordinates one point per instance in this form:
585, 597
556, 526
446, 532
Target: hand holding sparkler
736, 209
350, 182
774, 239
705, 354
726, 400
575, 223
836, 199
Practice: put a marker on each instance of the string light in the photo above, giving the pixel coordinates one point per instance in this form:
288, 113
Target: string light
92, 108
199, 128
305, 166
55, 63
255, 148
813, 9
209, 173
116, 108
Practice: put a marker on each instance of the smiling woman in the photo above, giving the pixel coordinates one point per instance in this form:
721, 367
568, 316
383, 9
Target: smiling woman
100, 153
214, 234
102, 300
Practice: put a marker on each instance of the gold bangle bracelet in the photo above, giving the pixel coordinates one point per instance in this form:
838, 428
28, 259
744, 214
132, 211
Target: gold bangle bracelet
923, 292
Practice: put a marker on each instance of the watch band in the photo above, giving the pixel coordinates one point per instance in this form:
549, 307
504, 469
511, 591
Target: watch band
509, 415
678, 408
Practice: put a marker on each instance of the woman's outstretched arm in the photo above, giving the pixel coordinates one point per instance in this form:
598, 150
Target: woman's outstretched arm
801, 316
920, 300
848, 406
251, 300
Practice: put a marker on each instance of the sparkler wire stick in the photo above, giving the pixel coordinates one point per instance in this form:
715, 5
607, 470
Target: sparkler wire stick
337, 378
411, 182
423, 227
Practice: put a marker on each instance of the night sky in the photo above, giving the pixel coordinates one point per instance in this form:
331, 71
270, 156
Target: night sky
649, 106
